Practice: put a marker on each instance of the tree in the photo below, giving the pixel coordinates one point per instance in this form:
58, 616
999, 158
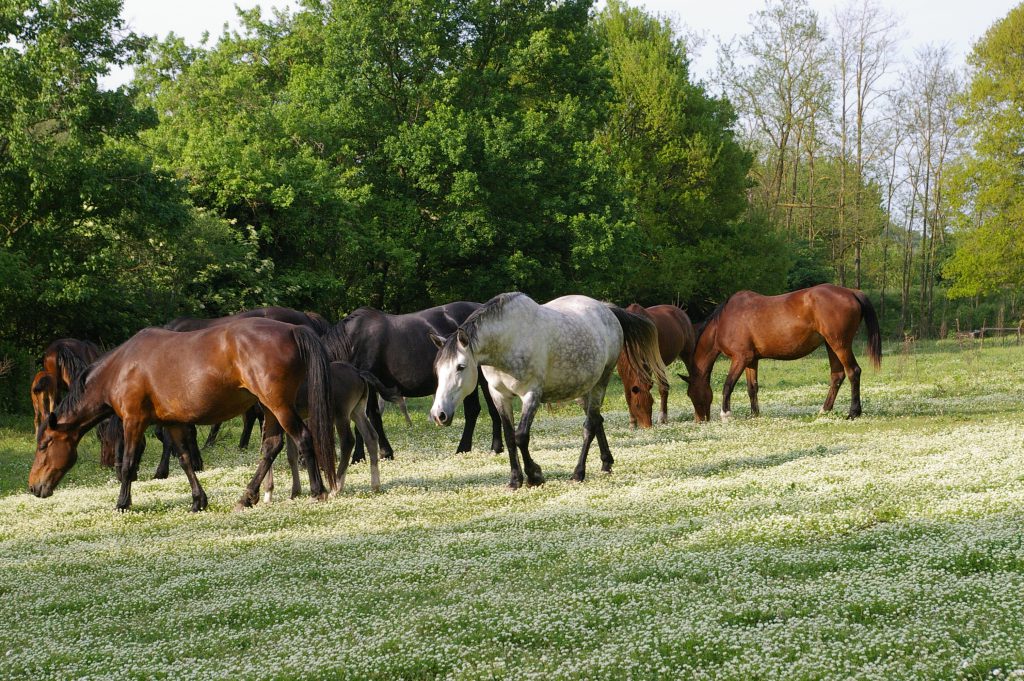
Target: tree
986, 196
682, 168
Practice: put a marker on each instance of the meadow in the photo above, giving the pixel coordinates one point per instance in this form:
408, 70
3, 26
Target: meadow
791, 546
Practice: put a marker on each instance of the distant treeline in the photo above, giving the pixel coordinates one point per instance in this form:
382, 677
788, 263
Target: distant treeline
404, 154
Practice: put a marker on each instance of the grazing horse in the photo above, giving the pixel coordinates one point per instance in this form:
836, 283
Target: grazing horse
350, 390
748, 327
201, 377
675, 341
562, 350
311, 320
397, 350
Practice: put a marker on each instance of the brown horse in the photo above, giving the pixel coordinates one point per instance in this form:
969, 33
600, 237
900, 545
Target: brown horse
176, 379
675, 341
749, 327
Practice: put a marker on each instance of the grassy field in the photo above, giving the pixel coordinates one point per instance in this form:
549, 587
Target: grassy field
793, 546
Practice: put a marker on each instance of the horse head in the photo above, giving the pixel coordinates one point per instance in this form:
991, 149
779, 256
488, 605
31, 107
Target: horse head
457, 369
56, 453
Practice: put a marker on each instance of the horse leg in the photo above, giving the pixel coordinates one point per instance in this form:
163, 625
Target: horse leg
405, 411
183, 439
471, 407
293, 466
755, 408
531, 402
496, 445
213, 434
845, 355
735, 369
294, 426
593, 408
192, 442
663, 393
835, 381
346, 441
504, 406
386, 452
252, 414
163, 469
134, 445
273, 441
589, 431
364, 426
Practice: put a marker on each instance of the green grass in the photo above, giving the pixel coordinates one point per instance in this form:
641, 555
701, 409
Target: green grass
793, 546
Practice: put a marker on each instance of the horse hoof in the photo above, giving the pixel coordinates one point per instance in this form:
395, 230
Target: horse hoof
390, 456
535, 480
268, 497
160, 474
199, 504
576, 477
515, 484
726, 415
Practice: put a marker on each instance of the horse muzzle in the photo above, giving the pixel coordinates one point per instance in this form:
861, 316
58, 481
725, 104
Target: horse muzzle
41, 489
440, 417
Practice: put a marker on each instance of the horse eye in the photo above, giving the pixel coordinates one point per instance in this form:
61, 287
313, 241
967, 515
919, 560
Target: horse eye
460, 367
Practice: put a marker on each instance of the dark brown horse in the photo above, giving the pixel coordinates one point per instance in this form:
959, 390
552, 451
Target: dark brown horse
201, 377
675, 341
749, 327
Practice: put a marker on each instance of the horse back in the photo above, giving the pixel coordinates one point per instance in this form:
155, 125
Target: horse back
221, 370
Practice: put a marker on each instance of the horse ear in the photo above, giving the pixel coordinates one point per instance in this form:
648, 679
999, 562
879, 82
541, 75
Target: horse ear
463, 338
437, 340
685, 378
51, 421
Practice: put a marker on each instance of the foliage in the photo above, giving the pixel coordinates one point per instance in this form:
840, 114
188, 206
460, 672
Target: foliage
986, 188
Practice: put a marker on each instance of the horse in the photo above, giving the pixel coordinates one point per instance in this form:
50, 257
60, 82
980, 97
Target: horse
561, 350
177, 379
44, 396
350, 390
748, 327
312, 320
675, 341
397, 350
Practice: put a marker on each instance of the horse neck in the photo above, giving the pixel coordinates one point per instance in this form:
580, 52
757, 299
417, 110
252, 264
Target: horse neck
496, 339
706, 351
89, 410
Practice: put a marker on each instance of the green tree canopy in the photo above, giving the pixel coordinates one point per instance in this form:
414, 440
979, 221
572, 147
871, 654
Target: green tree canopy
989, 253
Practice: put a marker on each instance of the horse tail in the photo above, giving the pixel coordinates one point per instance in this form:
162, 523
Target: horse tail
874, 334
389, 394
320, 400
640, 343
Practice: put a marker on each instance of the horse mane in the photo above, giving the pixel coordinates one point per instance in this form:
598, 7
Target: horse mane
715, 314
320, 324
75, 392
337, 340
494, 307
72, 363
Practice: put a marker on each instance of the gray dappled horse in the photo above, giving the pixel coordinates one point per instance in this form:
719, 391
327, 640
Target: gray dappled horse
559, 351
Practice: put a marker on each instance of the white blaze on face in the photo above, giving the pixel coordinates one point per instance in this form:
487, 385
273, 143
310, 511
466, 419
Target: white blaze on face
456, 378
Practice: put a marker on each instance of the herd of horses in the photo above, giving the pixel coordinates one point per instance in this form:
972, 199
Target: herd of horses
307, 380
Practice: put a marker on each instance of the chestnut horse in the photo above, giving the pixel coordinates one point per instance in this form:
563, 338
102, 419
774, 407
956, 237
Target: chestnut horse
675, 341
749, 327
176, 379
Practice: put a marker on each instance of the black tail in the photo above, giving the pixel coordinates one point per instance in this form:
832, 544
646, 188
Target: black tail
389, 394
320, 401
874, 334
640, 343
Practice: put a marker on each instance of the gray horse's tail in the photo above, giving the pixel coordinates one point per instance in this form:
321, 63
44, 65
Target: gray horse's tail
640, 343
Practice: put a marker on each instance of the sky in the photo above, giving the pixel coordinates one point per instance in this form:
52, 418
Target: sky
952, 22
